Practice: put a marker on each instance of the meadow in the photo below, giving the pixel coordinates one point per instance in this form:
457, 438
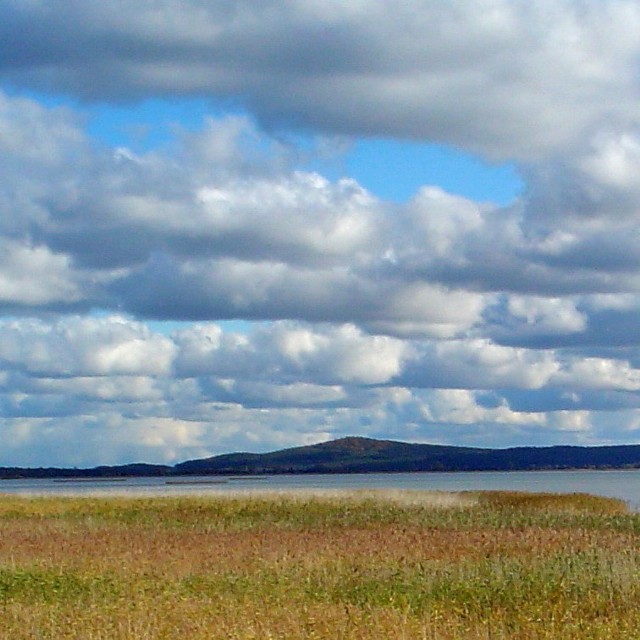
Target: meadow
376, 565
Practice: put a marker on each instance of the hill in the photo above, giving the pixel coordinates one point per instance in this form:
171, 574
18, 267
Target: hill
362, 455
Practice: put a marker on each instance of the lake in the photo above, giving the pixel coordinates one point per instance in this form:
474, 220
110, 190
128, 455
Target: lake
624, 484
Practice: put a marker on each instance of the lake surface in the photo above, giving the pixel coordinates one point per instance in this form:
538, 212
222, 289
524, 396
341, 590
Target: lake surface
624, 484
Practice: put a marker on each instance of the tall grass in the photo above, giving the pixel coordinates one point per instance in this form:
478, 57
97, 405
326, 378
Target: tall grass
361, 565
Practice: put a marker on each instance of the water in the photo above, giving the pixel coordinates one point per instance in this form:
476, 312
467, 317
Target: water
624, 484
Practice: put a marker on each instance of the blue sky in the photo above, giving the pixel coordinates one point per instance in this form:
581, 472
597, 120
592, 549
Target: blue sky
247, 226
392, 169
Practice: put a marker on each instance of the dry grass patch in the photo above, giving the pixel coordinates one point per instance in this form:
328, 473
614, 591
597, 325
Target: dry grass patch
308, 565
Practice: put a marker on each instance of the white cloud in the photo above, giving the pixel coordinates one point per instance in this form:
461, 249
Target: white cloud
572, 421
83, 440
78, 346
323, 220
547, 314
479, 364
599, 373
459, 406
438, 224
35, 276
333, 355
344, 354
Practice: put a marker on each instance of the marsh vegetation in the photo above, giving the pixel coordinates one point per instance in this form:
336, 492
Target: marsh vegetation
383, 565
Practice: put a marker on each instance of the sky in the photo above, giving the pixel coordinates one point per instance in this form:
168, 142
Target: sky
251, 225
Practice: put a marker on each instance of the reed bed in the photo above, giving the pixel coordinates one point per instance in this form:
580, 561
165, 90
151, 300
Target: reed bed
374, 565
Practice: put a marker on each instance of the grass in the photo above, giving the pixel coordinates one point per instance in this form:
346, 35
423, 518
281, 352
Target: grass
344, 565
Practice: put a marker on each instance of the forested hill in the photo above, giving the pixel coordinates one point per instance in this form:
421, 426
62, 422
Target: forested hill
362, 455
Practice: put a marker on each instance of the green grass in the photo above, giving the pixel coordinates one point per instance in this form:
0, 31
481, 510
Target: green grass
361, 565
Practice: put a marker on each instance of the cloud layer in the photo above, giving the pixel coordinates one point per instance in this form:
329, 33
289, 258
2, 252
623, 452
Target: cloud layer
507, 78
439, 319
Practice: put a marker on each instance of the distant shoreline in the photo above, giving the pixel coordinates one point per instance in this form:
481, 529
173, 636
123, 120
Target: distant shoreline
357, 455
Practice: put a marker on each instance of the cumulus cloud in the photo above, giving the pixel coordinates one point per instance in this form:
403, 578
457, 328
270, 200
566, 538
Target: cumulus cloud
35, 276
547, 314
196, 235
478, 364
84, 347
292, 352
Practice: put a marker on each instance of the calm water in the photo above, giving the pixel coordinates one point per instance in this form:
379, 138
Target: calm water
618, 484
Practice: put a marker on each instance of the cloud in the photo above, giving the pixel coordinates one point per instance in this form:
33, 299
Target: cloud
97, 440
508, 79
596, 181
439, 318
34, 276
291, 353
78, 346
595, 373
130, 393
253, 238
198, 231
591, 324
547, 314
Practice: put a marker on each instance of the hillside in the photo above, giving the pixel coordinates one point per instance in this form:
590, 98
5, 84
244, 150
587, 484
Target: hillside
361, 455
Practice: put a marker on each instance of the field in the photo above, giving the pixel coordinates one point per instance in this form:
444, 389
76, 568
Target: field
384, 565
